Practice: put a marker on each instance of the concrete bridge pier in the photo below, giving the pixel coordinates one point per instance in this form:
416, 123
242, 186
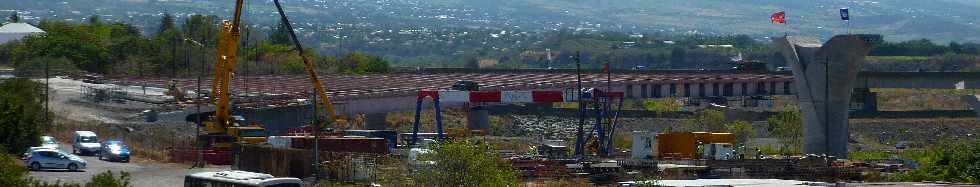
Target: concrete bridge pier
375, 121
868, 99
974, 101
824, 76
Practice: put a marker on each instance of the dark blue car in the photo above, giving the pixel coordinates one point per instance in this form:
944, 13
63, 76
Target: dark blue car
114, 150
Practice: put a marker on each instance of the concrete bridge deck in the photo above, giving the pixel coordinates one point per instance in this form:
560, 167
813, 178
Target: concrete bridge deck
361, 94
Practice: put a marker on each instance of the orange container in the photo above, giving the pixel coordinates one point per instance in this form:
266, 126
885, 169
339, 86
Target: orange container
677, 145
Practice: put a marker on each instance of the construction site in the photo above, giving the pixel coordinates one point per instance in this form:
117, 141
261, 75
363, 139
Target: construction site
548, 124
821, 122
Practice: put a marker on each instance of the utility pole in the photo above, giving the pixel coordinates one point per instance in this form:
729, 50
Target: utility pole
316, 138
581, 106
173, 57
47, 86
604, 150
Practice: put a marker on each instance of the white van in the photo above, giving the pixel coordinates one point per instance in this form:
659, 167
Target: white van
85, 143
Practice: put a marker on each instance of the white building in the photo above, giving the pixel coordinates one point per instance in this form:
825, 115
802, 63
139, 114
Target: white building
16, 31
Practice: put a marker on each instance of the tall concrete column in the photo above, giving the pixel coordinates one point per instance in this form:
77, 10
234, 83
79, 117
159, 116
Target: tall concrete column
375, 121
824, 75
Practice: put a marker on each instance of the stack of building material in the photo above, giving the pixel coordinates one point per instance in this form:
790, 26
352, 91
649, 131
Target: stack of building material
389, 135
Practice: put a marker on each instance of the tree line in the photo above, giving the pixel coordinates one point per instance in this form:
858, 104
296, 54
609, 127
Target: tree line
175, 50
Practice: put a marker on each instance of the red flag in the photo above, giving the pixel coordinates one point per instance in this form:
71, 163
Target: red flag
778, 17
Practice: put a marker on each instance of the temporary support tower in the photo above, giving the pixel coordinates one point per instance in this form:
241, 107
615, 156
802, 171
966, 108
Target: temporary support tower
605, 123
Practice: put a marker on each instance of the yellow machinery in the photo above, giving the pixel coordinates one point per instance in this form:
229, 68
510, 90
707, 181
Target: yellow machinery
223, 128
311, 71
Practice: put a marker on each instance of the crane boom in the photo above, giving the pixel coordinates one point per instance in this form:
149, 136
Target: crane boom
225, 65
320, 90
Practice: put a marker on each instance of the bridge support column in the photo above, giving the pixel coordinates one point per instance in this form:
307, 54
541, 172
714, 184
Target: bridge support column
479, 118
974, 101
868, 99
375, 121
824, 75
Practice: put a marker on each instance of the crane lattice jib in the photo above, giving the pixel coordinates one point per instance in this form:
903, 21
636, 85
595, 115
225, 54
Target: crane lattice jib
310, 71
225, 65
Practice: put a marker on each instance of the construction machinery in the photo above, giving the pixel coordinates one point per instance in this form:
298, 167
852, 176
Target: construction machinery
334, 119
222, 128
175, 91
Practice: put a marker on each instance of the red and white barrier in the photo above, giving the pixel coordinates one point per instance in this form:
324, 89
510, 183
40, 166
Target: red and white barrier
505, 96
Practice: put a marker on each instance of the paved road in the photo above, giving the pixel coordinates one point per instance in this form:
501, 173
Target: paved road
142, 173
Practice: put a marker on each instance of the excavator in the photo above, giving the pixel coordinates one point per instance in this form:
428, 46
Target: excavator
223, 129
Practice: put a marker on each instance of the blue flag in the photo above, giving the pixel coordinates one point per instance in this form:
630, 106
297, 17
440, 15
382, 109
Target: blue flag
845, 14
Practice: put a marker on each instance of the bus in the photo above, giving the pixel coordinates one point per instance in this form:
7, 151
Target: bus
235, 178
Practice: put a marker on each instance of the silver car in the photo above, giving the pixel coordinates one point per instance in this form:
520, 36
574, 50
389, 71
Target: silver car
49, 158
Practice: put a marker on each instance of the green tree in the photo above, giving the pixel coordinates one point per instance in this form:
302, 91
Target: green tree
93, 20
361, 63
23, 114
787, 126
466, 163
280, 35
662, 105
678, 56
471, 63
709, 120
166, 23
742, 129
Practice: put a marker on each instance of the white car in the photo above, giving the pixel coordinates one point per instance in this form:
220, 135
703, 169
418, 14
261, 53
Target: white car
85, 143
49, 142
49, 158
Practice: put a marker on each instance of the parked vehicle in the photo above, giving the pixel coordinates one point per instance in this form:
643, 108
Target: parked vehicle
49, 142
114, 150
32, 149
238, 178
49, 158
85, 143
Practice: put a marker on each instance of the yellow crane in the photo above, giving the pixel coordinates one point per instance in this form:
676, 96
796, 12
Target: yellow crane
223, 128
311, 71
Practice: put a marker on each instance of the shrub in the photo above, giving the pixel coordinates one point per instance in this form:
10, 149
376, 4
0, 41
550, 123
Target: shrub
466, 163
11, 174
956, 162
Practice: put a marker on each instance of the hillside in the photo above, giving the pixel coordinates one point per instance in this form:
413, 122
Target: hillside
940, 20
